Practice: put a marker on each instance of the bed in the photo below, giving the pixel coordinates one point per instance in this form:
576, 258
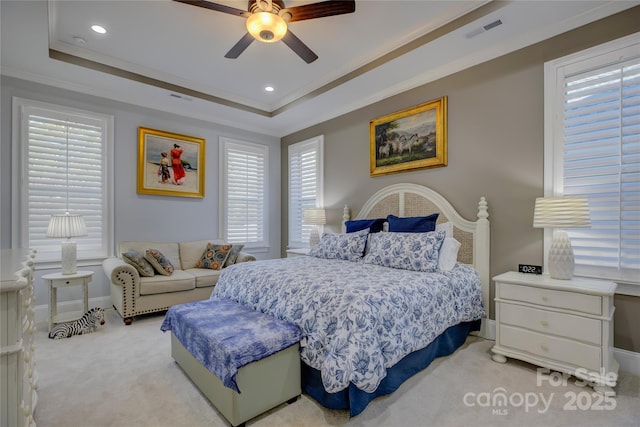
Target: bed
365, 336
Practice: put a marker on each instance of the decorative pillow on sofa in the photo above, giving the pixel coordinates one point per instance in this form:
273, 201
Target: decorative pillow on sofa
214, 256
159, 262
374, 225
349, 246
412, 224
407, 251
233, 254
136, 259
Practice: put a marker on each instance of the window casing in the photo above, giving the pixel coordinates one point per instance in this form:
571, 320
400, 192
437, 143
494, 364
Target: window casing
243, 192
592, 149
306, 178
65, 166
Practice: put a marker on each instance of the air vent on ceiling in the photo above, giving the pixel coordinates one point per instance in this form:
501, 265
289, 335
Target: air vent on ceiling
179, 96
484, 28
492, 25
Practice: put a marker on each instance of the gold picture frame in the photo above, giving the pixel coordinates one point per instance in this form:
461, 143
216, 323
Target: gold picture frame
170, 164
411, 139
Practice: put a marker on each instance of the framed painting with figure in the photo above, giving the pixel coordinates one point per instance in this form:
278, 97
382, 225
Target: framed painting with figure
170, 164
411, 139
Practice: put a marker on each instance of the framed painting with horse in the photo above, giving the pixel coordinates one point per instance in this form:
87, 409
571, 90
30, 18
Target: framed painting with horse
411, 139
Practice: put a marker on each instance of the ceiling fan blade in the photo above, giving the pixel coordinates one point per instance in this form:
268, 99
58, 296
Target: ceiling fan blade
217, 7
239, 47
318, 10
301, 49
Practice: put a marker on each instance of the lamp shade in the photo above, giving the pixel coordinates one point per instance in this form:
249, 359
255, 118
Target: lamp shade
266, 26
561, 212
66, 226
314, 216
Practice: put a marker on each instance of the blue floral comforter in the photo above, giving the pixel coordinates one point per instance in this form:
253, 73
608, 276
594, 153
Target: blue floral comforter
358, 319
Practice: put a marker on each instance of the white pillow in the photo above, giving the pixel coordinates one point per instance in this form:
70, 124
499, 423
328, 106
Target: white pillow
447, 227
448, 255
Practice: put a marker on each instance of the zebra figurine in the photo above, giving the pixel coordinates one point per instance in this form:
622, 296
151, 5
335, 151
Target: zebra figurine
84, 325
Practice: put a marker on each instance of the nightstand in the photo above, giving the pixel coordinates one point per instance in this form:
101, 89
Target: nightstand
563, 325
297, 252
59, 280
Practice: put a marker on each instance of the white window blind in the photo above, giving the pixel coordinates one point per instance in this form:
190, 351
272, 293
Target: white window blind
64, 169
599, 157
244, 192
305, 186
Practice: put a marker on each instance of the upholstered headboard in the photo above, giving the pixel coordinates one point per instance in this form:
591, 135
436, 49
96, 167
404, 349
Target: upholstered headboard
405, 200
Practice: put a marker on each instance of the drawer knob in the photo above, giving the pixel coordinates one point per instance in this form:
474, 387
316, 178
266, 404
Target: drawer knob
544, 347
545, 299
544, 323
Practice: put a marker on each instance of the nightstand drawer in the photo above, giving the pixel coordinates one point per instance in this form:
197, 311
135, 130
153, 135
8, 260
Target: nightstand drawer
550, 322
548, 347
591, 304
60, 283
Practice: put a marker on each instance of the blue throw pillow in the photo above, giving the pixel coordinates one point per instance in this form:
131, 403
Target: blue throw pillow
374, 225
412, 224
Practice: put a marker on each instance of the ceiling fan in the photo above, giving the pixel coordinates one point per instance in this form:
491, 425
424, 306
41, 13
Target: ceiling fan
267, 21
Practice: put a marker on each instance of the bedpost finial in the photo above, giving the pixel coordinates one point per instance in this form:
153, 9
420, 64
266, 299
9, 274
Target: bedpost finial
483, 212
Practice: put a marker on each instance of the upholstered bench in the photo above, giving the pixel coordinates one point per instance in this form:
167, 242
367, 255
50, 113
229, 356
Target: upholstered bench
245, 362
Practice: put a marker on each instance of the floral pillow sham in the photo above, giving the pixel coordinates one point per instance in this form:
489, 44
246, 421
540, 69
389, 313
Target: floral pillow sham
348, 246
407, 251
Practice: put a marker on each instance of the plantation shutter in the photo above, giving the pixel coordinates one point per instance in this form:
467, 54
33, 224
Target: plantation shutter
65, 172
245, 193
305, 187
601, 160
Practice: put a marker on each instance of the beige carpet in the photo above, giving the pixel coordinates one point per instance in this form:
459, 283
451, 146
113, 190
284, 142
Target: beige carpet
125, 376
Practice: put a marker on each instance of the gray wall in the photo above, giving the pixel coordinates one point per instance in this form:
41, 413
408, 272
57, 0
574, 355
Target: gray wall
138, 217
495, 147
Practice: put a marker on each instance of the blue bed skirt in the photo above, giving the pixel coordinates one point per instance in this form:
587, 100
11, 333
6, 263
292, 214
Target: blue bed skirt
356, 400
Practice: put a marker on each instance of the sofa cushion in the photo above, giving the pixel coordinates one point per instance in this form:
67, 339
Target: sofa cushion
159, 262
137, 260
214, 256
169, 249
204, 276
190, 252
233, 254
178, 281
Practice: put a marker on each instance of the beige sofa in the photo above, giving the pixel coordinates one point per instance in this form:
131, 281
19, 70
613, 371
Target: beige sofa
132, 295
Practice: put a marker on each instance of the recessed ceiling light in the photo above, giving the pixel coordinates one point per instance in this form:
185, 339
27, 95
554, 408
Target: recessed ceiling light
269, 88
98, 29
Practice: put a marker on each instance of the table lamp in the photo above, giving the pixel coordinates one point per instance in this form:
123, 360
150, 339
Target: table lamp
67, 226
560, 213
315, 217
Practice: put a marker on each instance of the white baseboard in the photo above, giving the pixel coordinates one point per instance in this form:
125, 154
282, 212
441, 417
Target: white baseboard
629, 361
42, 311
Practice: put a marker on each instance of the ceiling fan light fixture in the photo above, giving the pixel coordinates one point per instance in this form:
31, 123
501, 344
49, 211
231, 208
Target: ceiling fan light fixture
266, 27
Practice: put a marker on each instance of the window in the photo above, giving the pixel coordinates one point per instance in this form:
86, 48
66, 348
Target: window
592, 149
65, 163
243, 193
305, 186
